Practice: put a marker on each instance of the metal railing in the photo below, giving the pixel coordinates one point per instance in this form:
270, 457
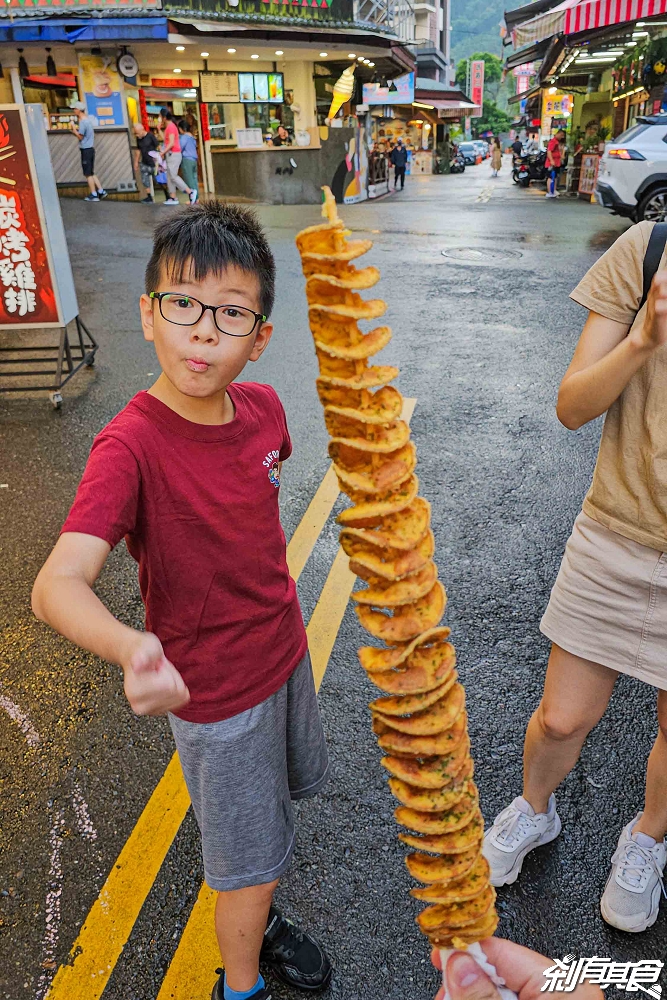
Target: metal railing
395, 17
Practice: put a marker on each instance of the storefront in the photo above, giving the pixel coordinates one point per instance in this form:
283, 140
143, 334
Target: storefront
258, 95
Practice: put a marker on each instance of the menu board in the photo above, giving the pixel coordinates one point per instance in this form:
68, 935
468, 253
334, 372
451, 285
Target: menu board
256, 88
219, 87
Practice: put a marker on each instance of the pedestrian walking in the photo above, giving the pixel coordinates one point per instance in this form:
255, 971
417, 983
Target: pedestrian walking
85, 133
190, 156
146, 144
171, 148
607, 614
517, 147
553, 162
399, 158
496, 157
225, 653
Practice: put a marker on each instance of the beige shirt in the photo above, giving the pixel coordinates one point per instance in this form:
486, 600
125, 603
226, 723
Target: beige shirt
629, 489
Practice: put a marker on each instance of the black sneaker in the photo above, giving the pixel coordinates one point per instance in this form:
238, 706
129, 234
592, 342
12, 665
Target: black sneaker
218, 990
102, 194
293, 956
147, 201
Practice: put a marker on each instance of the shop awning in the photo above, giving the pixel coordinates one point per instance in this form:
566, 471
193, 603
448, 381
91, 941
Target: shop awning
589, 14
61, 81
573, 16
528, 54
517, 98
528, 12
544, 25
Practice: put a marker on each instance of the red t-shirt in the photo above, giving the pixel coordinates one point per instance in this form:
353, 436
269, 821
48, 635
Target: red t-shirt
198, 506
554, 151
172, 129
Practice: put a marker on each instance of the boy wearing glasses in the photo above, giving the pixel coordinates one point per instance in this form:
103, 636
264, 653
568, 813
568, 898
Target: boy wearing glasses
186, 473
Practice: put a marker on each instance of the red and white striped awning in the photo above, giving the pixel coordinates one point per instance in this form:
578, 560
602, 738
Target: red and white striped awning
574, 16
589, 14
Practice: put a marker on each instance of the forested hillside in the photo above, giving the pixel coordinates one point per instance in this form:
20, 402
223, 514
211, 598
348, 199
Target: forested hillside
475, 25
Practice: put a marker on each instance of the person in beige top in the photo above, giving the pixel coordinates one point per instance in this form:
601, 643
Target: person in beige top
607, 613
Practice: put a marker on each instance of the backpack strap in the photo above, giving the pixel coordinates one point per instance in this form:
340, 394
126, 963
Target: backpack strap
653, 256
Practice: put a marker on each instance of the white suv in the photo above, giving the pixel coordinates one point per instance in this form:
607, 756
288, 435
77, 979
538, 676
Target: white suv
632, 179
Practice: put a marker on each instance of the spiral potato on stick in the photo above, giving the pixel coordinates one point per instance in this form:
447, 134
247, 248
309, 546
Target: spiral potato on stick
420, 718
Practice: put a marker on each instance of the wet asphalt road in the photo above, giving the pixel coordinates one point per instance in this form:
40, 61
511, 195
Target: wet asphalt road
482, 345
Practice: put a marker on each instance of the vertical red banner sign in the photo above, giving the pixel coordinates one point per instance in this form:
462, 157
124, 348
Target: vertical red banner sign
477, 86
27, 289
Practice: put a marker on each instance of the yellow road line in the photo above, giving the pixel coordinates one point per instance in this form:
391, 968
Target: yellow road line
112, 916
192, 970
308, 531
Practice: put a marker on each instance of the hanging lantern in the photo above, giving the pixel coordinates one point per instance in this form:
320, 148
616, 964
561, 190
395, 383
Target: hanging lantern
23, 66
50, 64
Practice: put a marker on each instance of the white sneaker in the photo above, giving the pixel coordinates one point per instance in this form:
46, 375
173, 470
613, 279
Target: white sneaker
549, 195
515, 832
172, 201
193, 196
631, 898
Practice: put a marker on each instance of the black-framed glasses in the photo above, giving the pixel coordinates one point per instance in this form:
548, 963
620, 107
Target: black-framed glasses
184, 310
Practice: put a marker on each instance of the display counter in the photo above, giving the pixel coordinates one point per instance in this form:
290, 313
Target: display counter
284, 175
113, 158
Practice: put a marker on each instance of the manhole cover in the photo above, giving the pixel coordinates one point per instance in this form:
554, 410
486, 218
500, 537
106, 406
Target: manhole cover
480, 253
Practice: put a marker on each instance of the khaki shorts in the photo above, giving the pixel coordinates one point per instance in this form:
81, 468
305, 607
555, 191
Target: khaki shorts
609, 603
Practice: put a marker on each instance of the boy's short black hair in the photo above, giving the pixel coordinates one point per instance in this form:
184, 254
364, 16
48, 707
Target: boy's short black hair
205, 239
183, 125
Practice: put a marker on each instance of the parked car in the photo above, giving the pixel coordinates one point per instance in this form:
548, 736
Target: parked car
632, 177
469, 150
479, 144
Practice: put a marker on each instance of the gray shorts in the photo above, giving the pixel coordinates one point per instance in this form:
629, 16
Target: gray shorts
242, 774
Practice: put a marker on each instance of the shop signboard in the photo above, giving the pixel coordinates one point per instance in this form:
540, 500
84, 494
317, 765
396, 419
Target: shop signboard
219, 88
477, 86
102, 90
36, 285
400, 90
590, 163
261, 88
271, 10
556, 112
172, 83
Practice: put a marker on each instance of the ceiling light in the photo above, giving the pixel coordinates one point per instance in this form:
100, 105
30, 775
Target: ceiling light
323, 55
366, 62
254, 56
640, 24
352, 55
231, 51
279, 52
204, 55
360, 58
176, 71
180, 48
371, 64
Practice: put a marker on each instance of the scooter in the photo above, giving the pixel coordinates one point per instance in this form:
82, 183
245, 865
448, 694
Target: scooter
457, 164
529, 167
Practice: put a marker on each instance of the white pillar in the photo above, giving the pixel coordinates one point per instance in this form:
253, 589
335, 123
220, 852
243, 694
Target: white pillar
17, 89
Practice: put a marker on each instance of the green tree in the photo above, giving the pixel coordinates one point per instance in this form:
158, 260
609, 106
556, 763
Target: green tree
492, 119
493, 71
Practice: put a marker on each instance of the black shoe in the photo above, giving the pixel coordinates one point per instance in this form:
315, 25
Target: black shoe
219, 988
294, 956
147, 201
102, 194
